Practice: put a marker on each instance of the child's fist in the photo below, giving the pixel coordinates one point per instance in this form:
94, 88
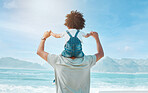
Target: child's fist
47, 34
94, 34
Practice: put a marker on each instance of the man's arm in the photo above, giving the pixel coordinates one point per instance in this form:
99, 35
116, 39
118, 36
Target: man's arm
55, 35
100, 53
40, 50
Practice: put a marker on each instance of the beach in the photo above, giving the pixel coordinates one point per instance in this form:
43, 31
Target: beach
47, 89
123, 91
117, 90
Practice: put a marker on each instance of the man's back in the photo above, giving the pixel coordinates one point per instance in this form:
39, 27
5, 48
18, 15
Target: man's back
72, 75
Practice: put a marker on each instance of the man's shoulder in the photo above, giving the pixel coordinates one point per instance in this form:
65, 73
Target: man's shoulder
54, 59
55, 56
52, 56
85, 58
90, 56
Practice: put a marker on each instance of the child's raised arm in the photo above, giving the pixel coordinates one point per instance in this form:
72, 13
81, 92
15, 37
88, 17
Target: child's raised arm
87, 35
56, 35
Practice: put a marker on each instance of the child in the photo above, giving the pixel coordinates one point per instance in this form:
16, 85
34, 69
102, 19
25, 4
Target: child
73, 36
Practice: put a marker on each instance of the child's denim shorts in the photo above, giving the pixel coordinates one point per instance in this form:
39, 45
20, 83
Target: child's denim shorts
73, 47
71, 53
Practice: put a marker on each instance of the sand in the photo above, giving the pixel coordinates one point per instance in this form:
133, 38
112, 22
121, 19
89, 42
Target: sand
123, 91
118, 90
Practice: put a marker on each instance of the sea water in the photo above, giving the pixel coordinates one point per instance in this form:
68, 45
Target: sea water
40, 81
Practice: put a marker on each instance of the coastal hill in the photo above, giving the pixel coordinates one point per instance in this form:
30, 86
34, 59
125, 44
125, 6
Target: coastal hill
106, 64
123, 65
9, 62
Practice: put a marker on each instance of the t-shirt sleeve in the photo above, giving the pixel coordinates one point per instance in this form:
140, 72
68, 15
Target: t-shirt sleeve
92, 60
62, 34
52, 59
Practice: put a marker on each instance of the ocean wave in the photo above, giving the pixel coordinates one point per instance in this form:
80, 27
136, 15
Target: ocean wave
119, 72
25, 89
30, 89
4, 88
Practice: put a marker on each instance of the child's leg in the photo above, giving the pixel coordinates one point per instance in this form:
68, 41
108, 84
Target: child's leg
79, 55
65, 54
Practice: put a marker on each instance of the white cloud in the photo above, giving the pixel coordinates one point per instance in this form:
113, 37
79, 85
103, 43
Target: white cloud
36, 16
10, 4
124, 49
127, 48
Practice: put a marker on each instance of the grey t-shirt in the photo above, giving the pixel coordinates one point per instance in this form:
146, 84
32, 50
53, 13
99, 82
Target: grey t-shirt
72, 75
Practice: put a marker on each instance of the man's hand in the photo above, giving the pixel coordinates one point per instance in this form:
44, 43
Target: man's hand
40, 50
47, 34
94, 34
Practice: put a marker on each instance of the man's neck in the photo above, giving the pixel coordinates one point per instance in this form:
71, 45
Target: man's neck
72, 57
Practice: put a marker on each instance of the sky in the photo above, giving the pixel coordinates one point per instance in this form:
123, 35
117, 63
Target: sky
121, 24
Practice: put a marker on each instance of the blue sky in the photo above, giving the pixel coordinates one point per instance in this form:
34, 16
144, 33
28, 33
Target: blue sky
121, 24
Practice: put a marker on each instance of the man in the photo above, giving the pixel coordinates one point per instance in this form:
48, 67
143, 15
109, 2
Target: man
72, 75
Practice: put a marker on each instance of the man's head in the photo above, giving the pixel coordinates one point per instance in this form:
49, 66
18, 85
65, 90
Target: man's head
75, 20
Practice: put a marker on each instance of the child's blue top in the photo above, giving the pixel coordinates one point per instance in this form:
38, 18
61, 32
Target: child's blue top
73, 47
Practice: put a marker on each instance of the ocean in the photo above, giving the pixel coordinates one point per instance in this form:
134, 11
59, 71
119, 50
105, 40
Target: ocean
40, 81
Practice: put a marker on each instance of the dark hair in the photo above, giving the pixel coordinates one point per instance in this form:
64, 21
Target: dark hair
75, 20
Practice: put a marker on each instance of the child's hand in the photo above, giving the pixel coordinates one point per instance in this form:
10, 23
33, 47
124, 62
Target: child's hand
55, 35
87, 35
47, 34
51, 32
94, 34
